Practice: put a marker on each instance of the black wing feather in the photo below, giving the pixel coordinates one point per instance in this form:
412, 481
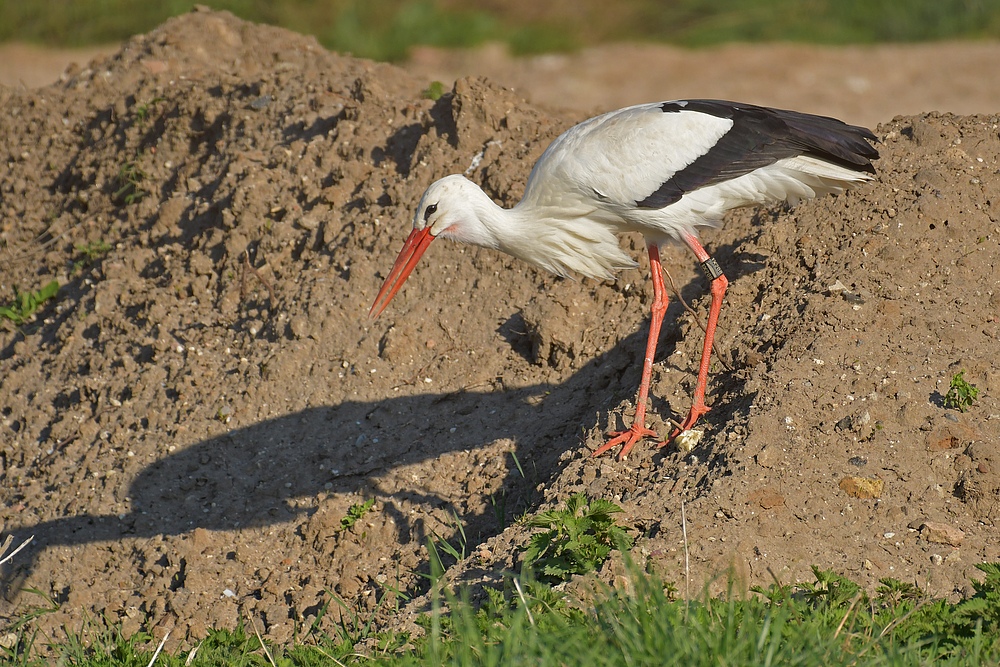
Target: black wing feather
761, 136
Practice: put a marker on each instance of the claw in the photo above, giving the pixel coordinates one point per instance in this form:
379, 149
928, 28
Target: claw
698, 410
627, 438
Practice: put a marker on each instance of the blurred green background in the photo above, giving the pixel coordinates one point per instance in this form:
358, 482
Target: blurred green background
386, 29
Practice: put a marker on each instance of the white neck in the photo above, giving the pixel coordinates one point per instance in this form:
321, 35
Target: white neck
562, 240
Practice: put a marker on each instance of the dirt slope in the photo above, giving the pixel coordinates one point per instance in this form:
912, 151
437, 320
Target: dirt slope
185, 426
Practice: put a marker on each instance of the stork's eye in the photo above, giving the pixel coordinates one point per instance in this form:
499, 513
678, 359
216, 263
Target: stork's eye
429, 211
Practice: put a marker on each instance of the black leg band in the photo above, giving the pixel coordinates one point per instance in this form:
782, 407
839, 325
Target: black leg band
712, 268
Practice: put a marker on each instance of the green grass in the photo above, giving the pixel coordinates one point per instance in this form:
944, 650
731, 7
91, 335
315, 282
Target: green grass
706, 22
128, 183
830, 621
387, 29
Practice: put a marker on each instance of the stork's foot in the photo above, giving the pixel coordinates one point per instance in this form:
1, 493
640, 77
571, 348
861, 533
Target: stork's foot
627, 439
698, 410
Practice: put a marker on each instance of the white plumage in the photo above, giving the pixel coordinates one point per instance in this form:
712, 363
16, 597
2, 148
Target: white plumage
661, 170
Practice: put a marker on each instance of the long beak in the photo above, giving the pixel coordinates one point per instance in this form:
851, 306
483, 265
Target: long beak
416, 244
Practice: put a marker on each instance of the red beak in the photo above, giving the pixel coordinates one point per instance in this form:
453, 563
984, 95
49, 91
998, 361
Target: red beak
416, 244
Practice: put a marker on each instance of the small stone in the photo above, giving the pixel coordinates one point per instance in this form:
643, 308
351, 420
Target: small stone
936, 559
766, 457
155, 66
950, 436
299, 326
308, 222
201, 539
131, 626
767, 498
688, 440
942, 533
939, 441
862, 487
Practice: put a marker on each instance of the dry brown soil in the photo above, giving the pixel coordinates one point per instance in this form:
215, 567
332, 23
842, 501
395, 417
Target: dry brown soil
184, 427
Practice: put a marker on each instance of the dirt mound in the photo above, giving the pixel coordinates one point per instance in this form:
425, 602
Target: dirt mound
186, 425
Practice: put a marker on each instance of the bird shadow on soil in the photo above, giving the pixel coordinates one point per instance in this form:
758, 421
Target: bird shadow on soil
254, 476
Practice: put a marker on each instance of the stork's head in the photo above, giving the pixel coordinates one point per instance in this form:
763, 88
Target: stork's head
447, 210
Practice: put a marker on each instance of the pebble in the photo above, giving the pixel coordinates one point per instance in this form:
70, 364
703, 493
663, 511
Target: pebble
767, 498
308, 222
766, 457
688, 440
299, 326
942, 533
862, 487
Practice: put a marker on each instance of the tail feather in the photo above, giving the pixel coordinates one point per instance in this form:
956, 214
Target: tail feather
832, 140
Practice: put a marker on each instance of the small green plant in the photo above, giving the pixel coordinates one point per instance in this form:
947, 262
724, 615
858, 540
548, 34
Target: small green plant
142, 111
831, 589
89, 253
26, 303
893, 594
354, 514
459, 552
92, 250
129, 181
434, 91
224, 414
576, 540
983, 608
961, 394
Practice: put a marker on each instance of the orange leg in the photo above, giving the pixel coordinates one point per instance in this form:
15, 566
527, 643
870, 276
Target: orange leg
719, 284
638, 430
